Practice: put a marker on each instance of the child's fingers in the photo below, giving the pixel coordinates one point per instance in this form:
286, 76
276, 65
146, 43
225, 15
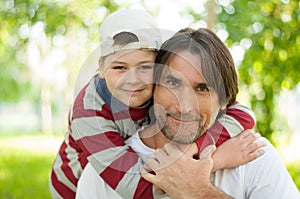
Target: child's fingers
255, 154
254, 150
255, 146
245, 133
251, 137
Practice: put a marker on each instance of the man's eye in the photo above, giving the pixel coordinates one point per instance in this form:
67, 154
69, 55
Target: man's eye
203, 89
172, 83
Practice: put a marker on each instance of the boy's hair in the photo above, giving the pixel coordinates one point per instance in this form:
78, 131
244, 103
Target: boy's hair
216, 65
128, 29
124, 38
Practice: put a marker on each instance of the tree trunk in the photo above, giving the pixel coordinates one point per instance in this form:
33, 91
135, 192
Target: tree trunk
211, 16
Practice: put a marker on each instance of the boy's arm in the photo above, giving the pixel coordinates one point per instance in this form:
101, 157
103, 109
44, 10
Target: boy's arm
116, 163
238, 150
236, 119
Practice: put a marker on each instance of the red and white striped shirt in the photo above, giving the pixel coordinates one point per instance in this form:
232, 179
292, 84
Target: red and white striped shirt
98, 128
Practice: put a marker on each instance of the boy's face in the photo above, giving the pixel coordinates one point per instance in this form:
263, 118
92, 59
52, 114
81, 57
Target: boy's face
129, 76
185, 107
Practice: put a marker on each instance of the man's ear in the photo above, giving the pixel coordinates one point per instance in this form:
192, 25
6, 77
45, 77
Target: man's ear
223, 106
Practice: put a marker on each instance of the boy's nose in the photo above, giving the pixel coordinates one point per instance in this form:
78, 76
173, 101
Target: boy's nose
132, 77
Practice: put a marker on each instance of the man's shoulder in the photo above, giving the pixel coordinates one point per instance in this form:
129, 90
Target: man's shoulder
267, 176
264, 177
270, 156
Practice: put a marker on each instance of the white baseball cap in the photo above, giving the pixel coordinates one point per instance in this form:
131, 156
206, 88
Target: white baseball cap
137, 22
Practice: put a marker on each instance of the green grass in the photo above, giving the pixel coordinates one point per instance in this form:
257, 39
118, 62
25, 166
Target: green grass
294, 170
24, 172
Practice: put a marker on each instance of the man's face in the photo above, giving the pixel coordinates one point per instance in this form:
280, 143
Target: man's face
185, 107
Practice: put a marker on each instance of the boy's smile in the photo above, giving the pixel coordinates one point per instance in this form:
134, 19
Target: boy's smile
129, 76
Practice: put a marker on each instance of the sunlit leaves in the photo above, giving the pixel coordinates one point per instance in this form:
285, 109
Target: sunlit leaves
45, 25
271, 63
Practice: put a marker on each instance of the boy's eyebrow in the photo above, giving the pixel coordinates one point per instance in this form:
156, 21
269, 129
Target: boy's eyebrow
118, 62
146, 62
126, 63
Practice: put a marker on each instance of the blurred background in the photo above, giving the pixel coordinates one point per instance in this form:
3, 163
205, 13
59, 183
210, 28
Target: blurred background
44, 43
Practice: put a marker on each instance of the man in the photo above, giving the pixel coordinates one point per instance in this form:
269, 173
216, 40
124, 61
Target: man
198, 60
195, 78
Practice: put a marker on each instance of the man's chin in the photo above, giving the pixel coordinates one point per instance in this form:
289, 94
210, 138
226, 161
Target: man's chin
182, 138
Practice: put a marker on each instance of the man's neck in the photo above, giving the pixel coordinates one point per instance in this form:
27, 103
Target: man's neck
153, 137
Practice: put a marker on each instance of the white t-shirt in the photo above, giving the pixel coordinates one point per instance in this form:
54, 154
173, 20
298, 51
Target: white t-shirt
263, 178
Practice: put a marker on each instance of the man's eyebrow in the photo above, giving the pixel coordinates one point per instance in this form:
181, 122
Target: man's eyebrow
172, 77
202, 84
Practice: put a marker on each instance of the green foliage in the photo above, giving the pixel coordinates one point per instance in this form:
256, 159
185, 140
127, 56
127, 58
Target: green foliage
270, 29
55, 18
295, 173
17, 17
271, 64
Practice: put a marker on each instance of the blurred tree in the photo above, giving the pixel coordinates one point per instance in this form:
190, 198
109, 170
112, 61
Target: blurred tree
269, 34
41, 38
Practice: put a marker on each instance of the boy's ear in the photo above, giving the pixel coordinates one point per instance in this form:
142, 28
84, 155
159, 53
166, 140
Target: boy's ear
100, 67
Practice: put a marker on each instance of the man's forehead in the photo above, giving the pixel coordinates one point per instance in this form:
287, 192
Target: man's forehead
185, 65
192, 79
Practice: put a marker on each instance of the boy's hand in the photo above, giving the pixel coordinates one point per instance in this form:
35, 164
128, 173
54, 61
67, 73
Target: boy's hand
238, 150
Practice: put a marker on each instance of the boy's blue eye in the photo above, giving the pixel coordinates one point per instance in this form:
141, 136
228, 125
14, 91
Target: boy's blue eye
145, 67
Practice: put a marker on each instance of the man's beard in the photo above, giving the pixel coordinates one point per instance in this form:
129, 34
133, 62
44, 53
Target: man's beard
180, 133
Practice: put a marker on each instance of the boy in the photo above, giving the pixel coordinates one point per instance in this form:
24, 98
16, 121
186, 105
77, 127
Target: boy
114, 105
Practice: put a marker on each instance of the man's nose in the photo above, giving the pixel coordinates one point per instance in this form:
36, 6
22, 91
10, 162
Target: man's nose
187, 101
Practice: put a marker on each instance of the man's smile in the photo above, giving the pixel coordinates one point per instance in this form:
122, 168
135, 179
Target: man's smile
183, 119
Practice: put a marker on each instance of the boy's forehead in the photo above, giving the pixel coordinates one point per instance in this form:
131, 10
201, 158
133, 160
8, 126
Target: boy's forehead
131, 55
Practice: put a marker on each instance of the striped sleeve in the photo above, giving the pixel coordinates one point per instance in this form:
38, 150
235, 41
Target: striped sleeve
94, 137
97, 134
117, 164
236, 119
66, 169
